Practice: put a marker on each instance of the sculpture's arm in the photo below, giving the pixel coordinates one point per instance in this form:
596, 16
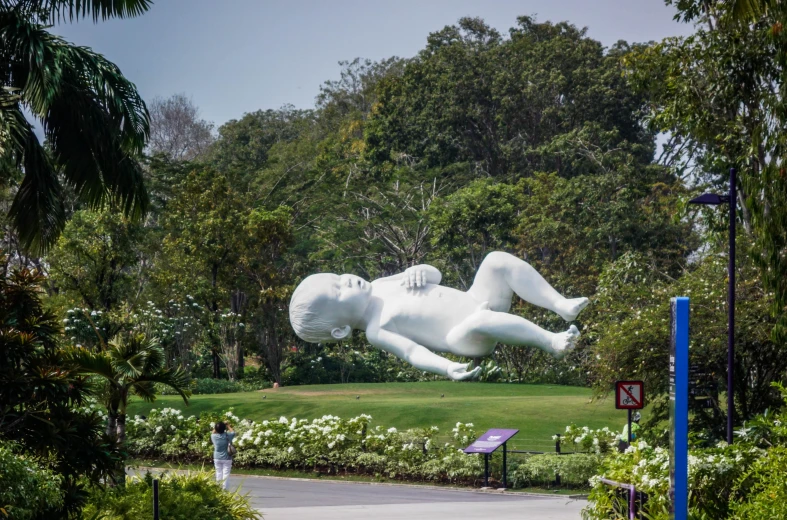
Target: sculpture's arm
416, 276
421, 357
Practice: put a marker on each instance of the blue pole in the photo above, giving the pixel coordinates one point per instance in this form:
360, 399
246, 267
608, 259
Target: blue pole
679, 408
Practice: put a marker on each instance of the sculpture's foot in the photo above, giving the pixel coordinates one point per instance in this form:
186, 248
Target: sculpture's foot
562, 342
570, 309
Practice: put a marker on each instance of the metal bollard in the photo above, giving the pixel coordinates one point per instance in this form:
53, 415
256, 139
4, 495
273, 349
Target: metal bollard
155, 499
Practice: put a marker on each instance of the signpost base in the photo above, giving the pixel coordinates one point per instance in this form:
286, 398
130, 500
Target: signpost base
630, 436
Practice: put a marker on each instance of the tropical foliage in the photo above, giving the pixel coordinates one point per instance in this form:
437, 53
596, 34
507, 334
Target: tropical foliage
735, 481
94, 121
27, 491
44, 400
194, 495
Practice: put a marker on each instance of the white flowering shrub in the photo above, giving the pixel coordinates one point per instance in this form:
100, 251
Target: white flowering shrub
713, 473
583, 439
328, 443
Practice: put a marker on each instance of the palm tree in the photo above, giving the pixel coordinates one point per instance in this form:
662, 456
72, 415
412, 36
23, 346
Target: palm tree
94, 121
130, 365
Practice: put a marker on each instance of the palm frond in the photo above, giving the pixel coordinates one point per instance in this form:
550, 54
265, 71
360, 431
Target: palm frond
129, 354
746, 10
146, 390
177, 379
71, 10
37, 210
93, 117
89, 362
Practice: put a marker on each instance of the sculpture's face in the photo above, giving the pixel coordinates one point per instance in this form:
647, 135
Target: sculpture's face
342, 300
352, 293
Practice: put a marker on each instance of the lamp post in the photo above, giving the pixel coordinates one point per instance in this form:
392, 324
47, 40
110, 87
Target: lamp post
714, 200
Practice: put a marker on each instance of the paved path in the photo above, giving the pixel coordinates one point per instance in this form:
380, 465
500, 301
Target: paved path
304, 499
281, 499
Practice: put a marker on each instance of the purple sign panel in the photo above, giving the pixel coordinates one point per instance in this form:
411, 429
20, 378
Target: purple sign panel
490, 441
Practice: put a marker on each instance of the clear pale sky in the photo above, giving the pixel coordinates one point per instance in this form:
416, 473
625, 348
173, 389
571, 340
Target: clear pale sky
237, 56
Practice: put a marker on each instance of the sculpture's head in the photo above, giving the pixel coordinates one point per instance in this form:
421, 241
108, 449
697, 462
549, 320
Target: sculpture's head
325, 306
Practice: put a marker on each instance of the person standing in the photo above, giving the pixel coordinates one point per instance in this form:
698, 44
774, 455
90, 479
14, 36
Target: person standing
221, 438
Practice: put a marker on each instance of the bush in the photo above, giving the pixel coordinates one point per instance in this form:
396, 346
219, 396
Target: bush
541, 470
26, 490
586, 440
764, 488
192, 496
218, 386
713, 473
326, 444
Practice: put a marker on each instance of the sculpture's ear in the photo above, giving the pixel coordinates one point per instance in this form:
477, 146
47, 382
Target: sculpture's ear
341, 332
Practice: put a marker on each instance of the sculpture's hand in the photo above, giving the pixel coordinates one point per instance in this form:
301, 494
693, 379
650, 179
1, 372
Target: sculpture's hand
414, 277
458, 372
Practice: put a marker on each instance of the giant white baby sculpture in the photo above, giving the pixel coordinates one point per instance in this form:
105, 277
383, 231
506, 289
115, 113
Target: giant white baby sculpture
412, 316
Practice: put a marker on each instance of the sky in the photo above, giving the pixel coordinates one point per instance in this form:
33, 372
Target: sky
238, 56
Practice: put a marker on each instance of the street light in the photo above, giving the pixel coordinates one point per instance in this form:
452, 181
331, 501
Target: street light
714, 200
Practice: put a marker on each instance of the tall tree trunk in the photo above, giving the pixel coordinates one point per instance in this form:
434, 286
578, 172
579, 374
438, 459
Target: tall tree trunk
216, 366
121, 429
111, 424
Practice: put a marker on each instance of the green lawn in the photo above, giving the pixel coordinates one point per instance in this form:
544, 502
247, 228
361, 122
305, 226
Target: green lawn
538, 411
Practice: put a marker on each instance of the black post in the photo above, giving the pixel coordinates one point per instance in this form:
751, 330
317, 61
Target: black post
557, 444
486, 470
155, 499
505, 480
731, 310
629, 426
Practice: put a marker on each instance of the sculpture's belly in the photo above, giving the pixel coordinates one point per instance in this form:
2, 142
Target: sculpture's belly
427, 316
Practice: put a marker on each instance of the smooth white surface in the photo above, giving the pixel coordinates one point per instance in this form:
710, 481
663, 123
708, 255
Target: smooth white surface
412, 316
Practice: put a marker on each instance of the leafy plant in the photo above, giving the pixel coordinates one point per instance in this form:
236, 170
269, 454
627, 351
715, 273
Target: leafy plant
94, 121
192, 496
326, 444
27, 491
542, 470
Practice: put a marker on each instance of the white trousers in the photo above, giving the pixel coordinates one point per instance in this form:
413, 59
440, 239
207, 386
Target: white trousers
223, 468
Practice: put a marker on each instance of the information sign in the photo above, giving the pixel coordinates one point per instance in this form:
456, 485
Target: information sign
490, 441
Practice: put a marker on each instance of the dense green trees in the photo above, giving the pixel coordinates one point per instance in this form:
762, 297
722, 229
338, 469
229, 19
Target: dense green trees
720, 93
540, 142
531, 143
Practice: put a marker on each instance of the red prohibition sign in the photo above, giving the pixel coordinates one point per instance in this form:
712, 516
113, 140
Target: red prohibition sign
629, 395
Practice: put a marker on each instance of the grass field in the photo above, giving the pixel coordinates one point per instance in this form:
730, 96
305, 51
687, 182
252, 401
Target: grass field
538, 411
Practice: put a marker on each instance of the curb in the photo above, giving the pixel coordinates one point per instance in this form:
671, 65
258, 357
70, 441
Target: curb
390, 484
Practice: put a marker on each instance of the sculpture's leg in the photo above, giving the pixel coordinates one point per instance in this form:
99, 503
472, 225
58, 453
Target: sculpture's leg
501, 275
485, 327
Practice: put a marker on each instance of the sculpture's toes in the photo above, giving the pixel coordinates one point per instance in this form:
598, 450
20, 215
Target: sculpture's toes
565, 341
570, 309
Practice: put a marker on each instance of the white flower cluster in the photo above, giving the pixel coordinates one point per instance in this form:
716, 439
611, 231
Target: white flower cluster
325, 441
587, 440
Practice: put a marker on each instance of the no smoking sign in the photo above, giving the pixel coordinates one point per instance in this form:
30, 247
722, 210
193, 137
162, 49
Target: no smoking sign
629, 395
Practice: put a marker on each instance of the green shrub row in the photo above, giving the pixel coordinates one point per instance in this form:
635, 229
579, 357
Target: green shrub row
209, 385
328, 444
575, 470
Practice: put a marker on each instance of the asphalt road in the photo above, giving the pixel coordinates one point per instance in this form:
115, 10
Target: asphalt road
280, 499
304, 499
